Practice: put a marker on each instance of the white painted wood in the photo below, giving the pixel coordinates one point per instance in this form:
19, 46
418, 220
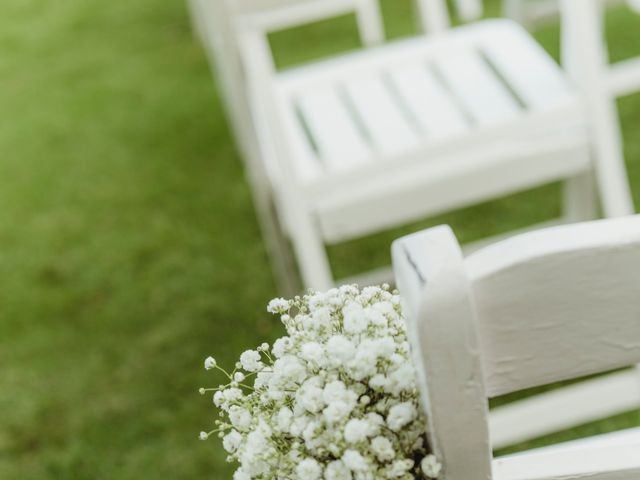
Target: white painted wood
221, 48
433, 16
277, 15
384, 121
385, 274
469, 10
564, 408
531, 13
457, 179
383, 136
546, 291
273, 15
430, 272
624, 77
609, 462
308, 166
369, 20
586, 56
628, 436
429, 102
533, 78
580, 198
485, 348
485, 98
341, 144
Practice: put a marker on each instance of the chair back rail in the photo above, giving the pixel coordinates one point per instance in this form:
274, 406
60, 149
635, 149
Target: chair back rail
558, 304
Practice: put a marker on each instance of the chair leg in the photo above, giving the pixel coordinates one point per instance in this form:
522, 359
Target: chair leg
615, 193
579, 198
516, 10
276, 243
197, 21
279, 250
311, 253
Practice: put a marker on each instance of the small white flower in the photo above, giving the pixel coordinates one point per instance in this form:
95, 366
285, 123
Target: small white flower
239, 417
251, 361
355, 461
340, 350
284, 417
241, 475
232, 394
400, 415
232, 441
281, 346
337, 411
399, 468
203, 435
310, 397
238, 377
210, 363
218, 399
278, 305
383, 449
356, 430
355, 320
309, 469
313, 353
337, 470
430, 466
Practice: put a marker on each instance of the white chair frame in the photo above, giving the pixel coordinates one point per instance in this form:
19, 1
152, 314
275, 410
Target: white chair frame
538, 308
235, 33
213, 26
623, 77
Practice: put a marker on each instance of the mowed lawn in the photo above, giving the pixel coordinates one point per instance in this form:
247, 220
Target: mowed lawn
129, 248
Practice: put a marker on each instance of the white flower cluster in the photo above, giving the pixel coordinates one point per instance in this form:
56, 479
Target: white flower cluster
334, 399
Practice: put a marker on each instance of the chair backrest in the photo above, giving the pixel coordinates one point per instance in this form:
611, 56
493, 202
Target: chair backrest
266, 16
544, 306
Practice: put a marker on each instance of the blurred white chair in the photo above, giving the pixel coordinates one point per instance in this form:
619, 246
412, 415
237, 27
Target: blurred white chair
388, 135
538, 308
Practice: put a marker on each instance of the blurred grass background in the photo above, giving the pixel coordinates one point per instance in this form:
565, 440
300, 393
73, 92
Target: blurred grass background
129, 249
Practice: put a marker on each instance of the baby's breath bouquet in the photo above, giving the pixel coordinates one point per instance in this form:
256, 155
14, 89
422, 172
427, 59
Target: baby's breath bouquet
334, 399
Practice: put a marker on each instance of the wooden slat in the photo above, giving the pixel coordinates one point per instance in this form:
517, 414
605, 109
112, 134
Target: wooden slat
340, 143
528, 70
307, 164
388, 128
624, 77
429, 102
565, 407
477, 86
602, 462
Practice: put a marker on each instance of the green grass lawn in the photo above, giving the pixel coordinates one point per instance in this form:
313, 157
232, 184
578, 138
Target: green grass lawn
129, 249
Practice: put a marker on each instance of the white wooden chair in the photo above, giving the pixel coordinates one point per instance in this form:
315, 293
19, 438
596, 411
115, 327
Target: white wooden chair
538, 308
373, 139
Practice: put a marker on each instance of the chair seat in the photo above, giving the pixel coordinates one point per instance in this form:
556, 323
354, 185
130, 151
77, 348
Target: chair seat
613, 455
423, 108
